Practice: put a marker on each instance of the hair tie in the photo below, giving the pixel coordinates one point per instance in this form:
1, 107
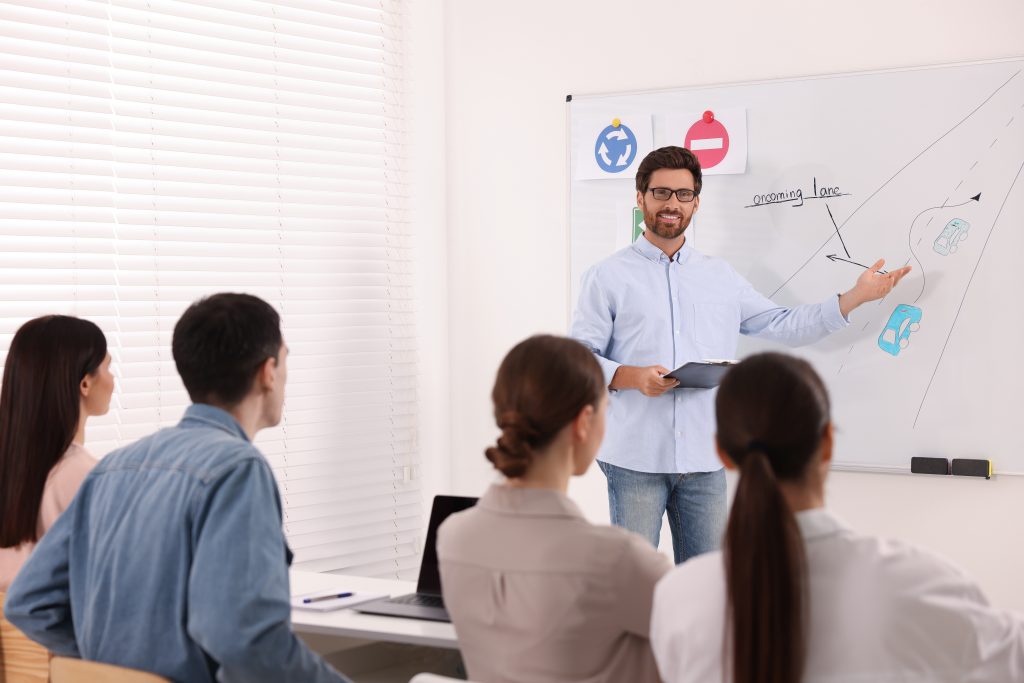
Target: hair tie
757, 446
517, 426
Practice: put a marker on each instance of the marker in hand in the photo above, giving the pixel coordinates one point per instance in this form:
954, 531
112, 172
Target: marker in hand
306, 601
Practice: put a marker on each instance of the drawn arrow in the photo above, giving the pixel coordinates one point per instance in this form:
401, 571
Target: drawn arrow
837, 230
910, 232
893, 177
976, 198
603, 151
617, 134
835, 257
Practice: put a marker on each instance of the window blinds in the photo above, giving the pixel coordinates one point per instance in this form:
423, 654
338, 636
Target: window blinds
154, 151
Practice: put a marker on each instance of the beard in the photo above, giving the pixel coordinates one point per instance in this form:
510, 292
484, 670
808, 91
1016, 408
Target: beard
664, 229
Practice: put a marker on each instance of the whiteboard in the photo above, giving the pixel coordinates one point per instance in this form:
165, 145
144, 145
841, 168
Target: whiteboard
903, 152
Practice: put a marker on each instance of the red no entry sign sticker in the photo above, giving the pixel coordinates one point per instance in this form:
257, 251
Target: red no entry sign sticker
708, 139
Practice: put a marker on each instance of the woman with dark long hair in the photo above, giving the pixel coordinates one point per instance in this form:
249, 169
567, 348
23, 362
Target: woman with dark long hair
57, 375
535, 591
795, 596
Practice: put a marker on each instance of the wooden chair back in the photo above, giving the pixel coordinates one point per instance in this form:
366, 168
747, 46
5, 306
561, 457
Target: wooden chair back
21, 660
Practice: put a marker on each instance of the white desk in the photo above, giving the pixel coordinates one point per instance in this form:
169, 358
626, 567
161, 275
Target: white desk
347, 623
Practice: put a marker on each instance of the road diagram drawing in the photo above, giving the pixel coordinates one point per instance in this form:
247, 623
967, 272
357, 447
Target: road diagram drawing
961, 181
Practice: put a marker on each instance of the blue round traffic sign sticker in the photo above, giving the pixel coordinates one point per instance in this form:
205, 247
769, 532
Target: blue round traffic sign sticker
615, 148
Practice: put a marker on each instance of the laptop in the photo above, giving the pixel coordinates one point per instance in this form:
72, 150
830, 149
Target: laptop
426, 602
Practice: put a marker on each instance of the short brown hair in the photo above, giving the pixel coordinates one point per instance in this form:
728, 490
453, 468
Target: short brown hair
220, 342
542, 385
668, 157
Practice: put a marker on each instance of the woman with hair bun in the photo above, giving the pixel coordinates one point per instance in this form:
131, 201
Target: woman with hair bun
535, 591
797, 597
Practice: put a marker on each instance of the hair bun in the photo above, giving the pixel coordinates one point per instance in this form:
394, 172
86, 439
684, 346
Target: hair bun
514, 450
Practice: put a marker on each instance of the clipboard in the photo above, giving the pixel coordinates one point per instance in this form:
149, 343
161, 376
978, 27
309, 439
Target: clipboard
705, 374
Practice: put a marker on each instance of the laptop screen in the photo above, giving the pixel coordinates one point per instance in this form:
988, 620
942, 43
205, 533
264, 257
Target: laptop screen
430, 578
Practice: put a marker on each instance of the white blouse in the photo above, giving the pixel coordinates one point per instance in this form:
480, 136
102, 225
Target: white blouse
880, 611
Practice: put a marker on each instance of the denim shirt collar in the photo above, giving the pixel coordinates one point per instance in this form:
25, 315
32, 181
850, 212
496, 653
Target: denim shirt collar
652, 253
211, 416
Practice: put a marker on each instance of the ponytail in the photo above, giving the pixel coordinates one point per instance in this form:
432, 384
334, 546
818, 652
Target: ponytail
765, 571
773, 411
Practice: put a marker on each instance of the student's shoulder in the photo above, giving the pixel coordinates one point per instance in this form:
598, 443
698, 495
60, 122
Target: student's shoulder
73, 466
64, 481
900, 559
461, 520
907, 586
463, 535
699, 585
627, 548
699, 576
618, 537
906, 573
130, 455
460, 526
231, 455
206, 454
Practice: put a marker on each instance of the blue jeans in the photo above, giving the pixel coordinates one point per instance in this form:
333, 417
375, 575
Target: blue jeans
695, 503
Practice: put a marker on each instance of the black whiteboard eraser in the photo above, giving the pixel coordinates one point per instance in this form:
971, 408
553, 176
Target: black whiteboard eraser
920, 465
967, 467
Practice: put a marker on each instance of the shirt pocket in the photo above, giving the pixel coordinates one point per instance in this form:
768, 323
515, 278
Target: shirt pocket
715, 328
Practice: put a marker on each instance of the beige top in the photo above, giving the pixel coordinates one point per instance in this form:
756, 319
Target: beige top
537, 593
61, 485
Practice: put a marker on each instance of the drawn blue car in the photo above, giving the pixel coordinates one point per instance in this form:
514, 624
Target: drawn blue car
896, 335
951, 236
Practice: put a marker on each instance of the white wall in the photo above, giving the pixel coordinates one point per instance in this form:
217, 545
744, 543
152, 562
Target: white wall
508, 68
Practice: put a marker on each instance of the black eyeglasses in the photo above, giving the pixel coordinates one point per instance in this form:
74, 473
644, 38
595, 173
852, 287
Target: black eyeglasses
663, 193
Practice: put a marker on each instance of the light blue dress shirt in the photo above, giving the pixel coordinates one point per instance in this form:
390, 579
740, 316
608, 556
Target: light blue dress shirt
171, 559
638, 307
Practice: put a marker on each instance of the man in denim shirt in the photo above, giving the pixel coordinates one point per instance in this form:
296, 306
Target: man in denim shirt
171, 558
655, 305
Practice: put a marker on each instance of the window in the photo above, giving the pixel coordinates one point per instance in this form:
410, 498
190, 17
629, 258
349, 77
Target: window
154, 151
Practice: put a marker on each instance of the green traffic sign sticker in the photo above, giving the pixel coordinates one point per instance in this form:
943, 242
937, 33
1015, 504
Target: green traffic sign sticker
638, 223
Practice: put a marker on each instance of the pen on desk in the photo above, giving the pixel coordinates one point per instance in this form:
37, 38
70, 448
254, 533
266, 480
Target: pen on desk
335, 596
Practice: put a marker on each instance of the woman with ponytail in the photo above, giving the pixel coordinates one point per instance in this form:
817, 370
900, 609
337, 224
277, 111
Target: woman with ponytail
535, 591
794, 596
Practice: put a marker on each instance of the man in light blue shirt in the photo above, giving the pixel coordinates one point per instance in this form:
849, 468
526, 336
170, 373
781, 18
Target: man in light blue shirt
655, 305
171, 557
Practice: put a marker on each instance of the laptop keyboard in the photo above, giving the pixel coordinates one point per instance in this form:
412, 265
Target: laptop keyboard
420, 600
